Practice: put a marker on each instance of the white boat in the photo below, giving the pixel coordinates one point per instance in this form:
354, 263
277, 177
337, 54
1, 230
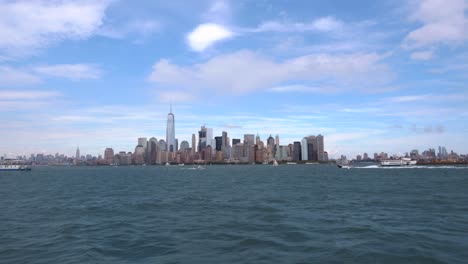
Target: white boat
343, 164
291, 163
181, 164
275, 163
168, 164
15, 168
398, 162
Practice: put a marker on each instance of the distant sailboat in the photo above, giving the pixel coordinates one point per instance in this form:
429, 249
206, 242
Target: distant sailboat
275, 163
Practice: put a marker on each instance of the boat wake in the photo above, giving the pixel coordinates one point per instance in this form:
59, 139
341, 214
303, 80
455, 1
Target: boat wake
411, 167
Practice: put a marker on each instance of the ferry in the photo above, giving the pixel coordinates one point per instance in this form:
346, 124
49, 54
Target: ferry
398, 162
14, 168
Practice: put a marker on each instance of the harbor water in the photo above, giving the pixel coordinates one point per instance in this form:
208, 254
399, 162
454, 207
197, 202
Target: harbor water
234, 214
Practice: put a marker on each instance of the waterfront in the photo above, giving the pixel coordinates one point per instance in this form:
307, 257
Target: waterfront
234, 214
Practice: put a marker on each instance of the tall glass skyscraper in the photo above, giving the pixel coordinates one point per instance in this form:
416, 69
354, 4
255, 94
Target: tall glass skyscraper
170, 132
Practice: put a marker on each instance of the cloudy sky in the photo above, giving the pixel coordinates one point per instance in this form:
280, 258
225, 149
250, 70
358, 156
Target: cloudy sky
370, 76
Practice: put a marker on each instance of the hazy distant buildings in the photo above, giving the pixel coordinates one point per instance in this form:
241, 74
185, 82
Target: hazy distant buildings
109, 156
442, 153
77, 156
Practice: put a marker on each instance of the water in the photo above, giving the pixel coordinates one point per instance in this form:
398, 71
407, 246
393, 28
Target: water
234, 214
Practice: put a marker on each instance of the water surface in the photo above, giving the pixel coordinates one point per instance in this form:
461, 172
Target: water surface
234, 214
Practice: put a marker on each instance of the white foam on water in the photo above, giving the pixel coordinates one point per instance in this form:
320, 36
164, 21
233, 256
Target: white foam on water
412, 167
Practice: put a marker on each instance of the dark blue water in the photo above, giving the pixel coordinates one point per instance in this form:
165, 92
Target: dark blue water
234, 214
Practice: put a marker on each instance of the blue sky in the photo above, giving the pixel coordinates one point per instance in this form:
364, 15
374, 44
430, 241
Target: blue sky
370, 76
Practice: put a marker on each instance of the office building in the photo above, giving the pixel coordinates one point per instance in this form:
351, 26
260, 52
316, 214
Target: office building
170, 132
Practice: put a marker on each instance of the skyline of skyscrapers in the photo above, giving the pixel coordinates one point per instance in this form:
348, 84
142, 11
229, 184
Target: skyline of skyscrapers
251, 149
222, 148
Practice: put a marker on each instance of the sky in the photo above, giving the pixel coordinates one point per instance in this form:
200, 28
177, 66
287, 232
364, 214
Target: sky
370, 76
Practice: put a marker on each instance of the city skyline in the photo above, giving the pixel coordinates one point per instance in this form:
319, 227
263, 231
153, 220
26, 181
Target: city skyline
368, 76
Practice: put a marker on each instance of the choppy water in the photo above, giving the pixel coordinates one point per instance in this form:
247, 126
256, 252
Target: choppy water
234, 214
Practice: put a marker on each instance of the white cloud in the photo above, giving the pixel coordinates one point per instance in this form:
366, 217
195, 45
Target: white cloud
28, 25
206, 35
443, 22
245, 71
296, 88
27, 95
327, 24
429, 98
70, 71
12, 76
139, 29
422, 55
324, 24
12, 100
219, 12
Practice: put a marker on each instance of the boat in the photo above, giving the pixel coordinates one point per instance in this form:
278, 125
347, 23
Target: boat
291, 163
398, 162
343, 164
168, 164
275, 163
15, 168
181, 164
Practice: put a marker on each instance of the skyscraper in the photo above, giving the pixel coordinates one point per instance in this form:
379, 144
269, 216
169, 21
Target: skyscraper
153, 148
170, 132
235, 141
297, 151
193, 143
249, 140
109, 155
219, 143
77, 156
225, 141
320, 148
142, 142
202, 139
305, 152
209, 138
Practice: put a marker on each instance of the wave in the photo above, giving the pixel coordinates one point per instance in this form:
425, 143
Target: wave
411, 167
